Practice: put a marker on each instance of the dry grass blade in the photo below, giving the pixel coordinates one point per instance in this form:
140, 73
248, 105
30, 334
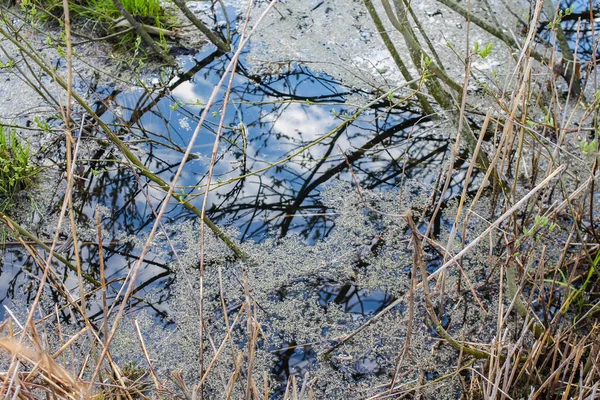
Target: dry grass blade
51, 372
498, 221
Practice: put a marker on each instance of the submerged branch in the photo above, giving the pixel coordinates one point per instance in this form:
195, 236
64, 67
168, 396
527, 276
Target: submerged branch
569, 66
420, 264
427, 108
419, 58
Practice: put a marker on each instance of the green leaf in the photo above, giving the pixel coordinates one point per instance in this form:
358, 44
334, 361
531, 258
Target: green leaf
485, 51
570, 10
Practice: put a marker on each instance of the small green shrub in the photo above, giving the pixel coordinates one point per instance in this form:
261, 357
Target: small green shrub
17, 171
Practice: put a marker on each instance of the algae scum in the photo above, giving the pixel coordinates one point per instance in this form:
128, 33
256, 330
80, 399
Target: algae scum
324, 153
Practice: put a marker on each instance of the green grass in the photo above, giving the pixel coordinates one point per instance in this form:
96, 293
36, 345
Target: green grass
17, 171
106, 10
146, 8
146, 11
102, 16
101, 10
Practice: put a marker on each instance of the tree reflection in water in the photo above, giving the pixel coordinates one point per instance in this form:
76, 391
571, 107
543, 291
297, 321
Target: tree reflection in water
581, 27
279, 114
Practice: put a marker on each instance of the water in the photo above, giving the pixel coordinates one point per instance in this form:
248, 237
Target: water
281, 114
298, 359
278, 122
354, 300
579, 27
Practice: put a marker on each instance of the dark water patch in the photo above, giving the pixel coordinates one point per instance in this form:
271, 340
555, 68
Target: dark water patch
579, 20
546, 301
294, 360
297, 359
443, 315
354, 300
